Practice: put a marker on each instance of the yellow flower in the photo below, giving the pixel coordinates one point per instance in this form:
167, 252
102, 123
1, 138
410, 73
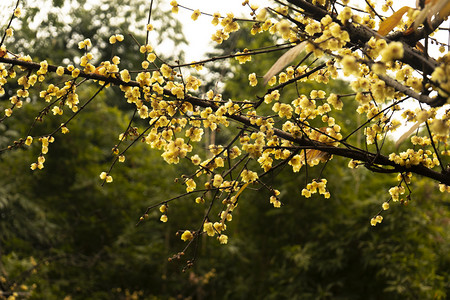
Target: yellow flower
145, 48
60, 71
196, 160
190, 185
84, 44
217, 180
43, 69
29, 140
75, 72
394, 50
64, 129
334, 100
272, 81
116, 60
223, 239
187, 236
163, 218
249, 176
215, 19
275, 202
252, 79
151, 57
313, 28
219, 226
41, 159
9, 32
8, 112
196, 14
243, 58
209, 228
163, 208
199, 200
306, 193
57, 111
166, 71
349, 65
444, 188
17, 12
345, 15
125, 75
174, 6
326, 20
87, 42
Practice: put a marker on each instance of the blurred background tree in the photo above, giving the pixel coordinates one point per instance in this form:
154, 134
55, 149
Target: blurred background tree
63, 236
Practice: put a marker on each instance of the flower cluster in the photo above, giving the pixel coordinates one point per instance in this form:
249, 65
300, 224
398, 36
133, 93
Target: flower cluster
275, 130
316, 186
229, 25
412, 158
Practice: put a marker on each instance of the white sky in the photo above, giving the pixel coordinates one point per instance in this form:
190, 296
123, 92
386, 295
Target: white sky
199, 32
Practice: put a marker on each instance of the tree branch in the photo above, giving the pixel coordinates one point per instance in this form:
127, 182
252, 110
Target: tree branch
360, 35
356, 154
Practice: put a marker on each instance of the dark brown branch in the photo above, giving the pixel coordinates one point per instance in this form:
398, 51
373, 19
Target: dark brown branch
360, 35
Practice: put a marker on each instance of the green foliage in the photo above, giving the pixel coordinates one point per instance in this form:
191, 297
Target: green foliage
97, 21
326, 249
63, 234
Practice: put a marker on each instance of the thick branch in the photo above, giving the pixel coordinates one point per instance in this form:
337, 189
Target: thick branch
436, 101
360, 35
52, 68
356, 154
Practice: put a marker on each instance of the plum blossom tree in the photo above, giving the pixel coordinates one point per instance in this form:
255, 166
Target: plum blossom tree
396, 60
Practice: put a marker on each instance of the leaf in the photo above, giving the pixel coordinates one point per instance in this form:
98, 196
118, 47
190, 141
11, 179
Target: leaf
313, 154
445, 12
420, 47
407, 134
431, 9
284, 60
388, 24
